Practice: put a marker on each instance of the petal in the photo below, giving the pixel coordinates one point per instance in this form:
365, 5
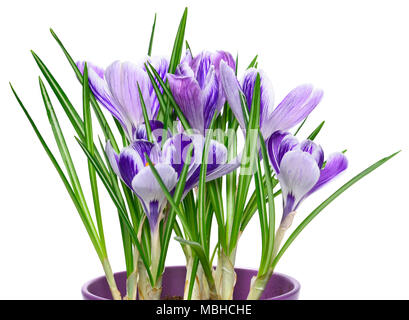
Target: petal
209, 95
220, 56
217, 58
149, 191
123, 79
216, 164
100, 89
288, 143
156, 128
174, 151
113, 158
129, 164
336, 163
188, 96
201, 65
273, 146
314, 149
231, 89
267, 94
295, 107
298, 175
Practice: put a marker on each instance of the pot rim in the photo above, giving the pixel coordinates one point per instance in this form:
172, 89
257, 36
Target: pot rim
296, 285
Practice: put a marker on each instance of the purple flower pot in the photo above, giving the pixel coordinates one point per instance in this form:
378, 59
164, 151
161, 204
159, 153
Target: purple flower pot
280, 286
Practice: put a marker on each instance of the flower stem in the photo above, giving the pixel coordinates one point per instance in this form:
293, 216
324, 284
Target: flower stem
145, 288
225, 275
116, 295
201, 289
258, 284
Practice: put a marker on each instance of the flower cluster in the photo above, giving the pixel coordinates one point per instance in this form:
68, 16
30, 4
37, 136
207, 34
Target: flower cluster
178, 120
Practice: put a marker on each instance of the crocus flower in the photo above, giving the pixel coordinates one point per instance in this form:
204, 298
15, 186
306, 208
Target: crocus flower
132, 167
300, 168
295, 107
116, 89
197, 89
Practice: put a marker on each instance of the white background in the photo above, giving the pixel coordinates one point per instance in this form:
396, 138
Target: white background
357, 51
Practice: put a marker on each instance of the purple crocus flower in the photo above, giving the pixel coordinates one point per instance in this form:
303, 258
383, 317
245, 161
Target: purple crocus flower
300, 168
116, 89
294, 108
197, 89
132, 167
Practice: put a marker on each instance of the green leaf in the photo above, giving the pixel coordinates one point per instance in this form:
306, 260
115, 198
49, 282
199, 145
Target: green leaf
172, 215
271, 207
120, 206
178, 44
169, 95
200, 253
253, 62
317, 130
188, 47
324, 204
248, 163
65, 181
65, 154
152, 35
100, 116
300, 126
90, 146
69, 109
192, 279
145, 117
201, 200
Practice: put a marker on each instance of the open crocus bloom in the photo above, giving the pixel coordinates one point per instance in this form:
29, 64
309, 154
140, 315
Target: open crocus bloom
294, 108
300, 168
116, 89
132, 167
197, 89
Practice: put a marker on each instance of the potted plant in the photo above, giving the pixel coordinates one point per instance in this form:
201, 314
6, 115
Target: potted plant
192, 140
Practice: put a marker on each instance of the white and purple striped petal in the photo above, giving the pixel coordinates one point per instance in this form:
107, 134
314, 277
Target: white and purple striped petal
197, 89
146, 187
336, 163
294, 108
266, 93
298, 175
300, 167
117, 90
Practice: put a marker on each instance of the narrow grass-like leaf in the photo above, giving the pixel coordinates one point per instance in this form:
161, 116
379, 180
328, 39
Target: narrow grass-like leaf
120, 206
324, 204
200, 253
100, 116
201, 200
269, 183
300, 126
64, 179
253, 62
65, 154
172, 215
90, 145
248, 162
188, 47
145, 117
178, 44
317, 130
69, 109
192, 279
169, 95
152, 35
